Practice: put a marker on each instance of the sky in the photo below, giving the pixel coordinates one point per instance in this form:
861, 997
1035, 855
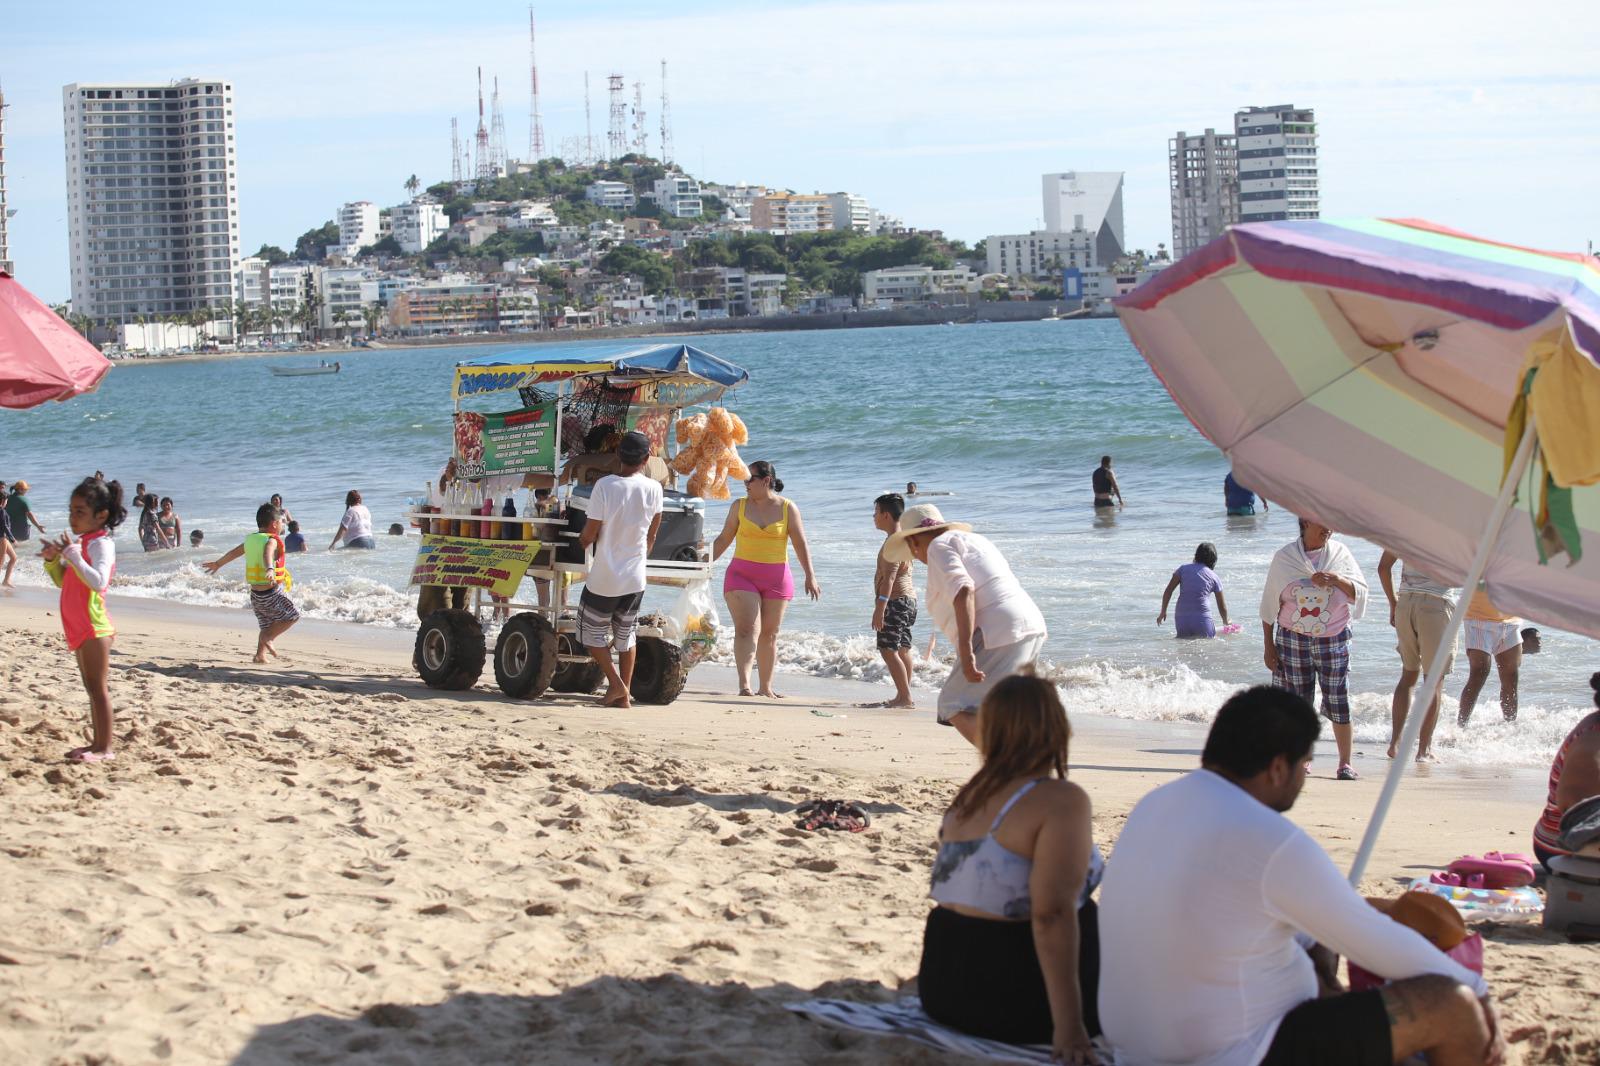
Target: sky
1479, 116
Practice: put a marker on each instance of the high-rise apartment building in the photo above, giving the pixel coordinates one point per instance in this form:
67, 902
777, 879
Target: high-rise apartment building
787, 212
1088, 200
1277, 149
1203, 176
152, 197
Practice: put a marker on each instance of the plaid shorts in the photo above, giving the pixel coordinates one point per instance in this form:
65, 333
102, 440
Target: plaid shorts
899, 615
608, 620
1303, 661
272, 606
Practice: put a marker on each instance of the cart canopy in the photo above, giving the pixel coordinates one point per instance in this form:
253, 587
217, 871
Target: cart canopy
660, 364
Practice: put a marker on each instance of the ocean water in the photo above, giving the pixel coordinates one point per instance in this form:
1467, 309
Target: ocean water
1008, 418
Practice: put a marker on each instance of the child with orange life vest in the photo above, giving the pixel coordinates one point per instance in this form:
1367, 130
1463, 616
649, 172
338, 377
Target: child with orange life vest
82, 567
268, 577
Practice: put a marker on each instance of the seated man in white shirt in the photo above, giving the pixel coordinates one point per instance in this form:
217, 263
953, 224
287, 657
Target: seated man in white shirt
1220, 921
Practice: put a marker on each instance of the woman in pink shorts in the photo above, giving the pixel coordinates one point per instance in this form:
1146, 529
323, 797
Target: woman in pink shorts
758, 585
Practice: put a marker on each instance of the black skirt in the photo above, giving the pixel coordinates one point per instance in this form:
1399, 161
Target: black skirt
982, 976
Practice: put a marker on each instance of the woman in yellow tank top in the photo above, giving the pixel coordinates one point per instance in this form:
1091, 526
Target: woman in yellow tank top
758, 585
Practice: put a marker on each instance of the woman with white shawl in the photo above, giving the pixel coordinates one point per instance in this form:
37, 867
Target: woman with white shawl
1314, 591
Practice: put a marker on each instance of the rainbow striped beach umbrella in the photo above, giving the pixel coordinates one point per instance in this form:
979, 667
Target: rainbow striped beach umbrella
1404, 383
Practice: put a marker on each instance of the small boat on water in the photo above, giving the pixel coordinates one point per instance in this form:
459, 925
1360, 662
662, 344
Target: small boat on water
304, 371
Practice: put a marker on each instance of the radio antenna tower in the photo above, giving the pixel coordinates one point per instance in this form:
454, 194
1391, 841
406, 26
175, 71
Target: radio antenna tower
455, 152
497, 134
5, 215
588, 125
666, 118
485, 168
535, 120
617, 141
641, 140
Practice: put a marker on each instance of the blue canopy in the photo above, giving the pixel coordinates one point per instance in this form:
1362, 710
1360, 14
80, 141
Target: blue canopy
681, 362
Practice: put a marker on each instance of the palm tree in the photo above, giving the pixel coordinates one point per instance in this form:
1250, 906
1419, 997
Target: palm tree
372, 313
412, 185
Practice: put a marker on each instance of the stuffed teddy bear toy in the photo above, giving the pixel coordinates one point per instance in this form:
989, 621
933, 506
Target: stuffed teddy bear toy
708, 452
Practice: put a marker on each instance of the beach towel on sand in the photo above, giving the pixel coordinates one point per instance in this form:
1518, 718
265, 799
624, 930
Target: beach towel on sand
905, 1017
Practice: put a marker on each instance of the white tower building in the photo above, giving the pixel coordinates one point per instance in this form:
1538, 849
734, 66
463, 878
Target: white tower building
1088, 200
152, 197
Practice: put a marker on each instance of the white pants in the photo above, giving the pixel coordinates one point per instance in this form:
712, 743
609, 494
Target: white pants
959, 694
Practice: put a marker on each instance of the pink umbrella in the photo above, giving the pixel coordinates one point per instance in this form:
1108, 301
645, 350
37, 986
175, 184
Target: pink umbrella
41, 357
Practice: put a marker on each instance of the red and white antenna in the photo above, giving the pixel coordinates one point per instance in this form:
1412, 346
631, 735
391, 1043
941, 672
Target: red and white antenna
485, 167
666, 118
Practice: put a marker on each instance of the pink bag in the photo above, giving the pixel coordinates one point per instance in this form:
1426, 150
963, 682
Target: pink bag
1468, 953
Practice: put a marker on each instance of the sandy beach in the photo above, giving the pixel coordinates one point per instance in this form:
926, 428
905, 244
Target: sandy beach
322, 861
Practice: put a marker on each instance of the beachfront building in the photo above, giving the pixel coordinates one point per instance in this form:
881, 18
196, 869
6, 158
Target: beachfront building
786, 212
358, 228
417, 224
1277, 148
1088, 200
152, 197
850, 211
458, 307
1041, 253
907, 284
344, 293
1203, 179
616, 195
678, 196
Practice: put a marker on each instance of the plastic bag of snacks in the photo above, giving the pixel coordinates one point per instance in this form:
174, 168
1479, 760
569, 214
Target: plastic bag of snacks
692, 623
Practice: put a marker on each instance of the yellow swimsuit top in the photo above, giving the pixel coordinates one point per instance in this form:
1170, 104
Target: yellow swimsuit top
762, 544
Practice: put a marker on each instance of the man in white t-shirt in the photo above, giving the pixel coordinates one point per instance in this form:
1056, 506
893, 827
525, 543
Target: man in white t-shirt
1219, 920
623, 518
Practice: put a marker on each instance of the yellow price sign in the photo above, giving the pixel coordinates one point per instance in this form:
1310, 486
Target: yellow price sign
463, 562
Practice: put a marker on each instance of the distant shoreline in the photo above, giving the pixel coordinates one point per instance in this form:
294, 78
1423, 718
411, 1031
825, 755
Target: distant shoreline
981, 314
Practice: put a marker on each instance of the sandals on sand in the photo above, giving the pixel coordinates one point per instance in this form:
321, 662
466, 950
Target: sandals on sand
1347, 773
832, 814
90, 755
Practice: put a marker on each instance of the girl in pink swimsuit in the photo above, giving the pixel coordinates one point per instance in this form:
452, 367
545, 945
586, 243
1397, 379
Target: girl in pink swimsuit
82, 567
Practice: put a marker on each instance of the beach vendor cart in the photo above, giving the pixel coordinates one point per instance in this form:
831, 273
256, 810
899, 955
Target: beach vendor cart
500, 533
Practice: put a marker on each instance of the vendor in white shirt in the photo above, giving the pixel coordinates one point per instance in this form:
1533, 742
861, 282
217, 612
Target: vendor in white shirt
1221, 922
976, 602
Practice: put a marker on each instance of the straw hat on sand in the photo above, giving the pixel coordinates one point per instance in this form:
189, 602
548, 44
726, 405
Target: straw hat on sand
923, 518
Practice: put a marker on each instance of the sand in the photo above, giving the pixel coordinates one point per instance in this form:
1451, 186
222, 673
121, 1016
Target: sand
322, 861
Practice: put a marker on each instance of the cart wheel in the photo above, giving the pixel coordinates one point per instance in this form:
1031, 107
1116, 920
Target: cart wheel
449, 652
686, 553
659, 672
525, 656
575, 677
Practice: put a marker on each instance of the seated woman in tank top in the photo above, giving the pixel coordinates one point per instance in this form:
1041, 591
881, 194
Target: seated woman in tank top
1574, 777
1012, 950
758, 585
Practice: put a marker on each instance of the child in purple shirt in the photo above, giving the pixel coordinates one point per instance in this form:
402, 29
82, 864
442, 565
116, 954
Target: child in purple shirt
1196, 584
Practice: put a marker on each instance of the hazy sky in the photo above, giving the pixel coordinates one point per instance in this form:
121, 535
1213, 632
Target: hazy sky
1480, 116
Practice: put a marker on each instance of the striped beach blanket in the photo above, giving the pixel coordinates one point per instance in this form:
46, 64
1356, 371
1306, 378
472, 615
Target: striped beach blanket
905, 1018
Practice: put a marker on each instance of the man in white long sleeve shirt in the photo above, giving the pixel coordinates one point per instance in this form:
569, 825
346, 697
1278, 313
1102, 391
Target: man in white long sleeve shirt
1221, 922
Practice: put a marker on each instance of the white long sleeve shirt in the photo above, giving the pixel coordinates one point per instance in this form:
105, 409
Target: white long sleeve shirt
93, 564
1207, 903
1004, 613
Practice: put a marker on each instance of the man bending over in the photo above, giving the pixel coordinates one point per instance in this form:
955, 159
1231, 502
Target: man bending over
1221, 922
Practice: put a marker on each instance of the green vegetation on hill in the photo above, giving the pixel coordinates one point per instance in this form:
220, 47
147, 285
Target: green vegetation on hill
831, 261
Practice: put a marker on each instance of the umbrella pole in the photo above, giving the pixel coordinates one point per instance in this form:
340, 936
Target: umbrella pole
1433, 679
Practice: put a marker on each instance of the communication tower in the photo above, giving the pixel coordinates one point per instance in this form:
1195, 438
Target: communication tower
617, 140
497, 134
666, 118
641, 140
5, 215
455, 152
535, 119
485, 167
588, 125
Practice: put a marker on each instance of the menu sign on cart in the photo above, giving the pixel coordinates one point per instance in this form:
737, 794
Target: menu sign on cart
458, 562
512, 442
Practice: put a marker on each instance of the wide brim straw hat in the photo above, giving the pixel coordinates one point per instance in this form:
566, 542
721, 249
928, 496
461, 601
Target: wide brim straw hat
923, 518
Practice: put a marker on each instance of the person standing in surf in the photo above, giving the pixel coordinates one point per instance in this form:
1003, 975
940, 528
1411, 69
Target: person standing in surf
1105, 484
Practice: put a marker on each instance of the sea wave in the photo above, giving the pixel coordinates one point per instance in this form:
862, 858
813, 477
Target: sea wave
1090, 687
